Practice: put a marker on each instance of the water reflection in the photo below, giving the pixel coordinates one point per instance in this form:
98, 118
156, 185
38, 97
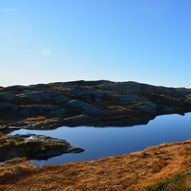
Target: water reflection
102, 142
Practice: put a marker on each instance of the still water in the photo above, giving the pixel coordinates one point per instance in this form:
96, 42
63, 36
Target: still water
102, 142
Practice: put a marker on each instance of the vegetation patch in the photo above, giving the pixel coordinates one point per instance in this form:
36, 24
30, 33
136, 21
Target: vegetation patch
179, 182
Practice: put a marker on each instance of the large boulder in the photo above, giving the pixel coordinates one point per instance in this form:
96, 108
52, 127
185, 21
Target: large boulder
130, 98
122, 88
7, 96
57, 112
26, 112
36, 110
59, 99
188, 98
8, 107
38, 96
33, 96
75, 91
8, 111
96, 94
148, 107
84, 107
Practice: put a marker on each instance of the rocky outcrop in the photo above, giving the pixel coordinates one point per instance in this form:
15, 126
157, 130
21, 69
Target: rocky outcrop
98, 103
7, 96
84, 108
33, 147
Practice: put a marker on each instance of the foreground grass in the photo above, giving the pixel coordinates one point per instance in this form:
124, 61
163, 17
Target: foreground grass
179, 182
160, 168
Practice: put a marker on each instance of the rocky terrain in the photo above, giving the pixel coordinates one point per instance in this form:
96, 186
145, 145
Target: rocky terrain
33, 147
161, 168
90, 103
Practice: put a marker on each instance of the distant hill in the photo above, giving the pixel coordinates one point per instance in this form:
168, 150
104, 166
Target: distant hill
98, 103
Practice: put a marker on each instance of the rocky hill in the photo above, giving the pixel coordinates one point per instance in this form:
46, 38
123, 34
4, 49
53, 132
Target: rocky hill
97, 103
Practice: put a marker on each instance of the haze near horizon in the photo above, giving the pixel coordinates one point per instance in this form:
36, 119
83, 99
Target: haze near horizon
146, 41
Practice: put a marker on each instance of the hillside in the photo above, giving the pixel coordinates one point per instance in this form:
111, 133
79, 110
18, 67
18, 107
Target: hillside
90, 103
161, 168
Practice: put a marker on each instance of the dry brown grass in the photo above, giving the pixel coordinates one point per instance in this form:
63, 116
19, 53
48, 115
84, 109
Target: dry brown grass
118, 173
39, 118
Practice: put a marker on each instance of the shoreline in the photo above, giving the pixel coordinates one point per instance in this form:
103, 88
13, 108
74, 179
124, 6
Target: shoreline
97, 103
133, 171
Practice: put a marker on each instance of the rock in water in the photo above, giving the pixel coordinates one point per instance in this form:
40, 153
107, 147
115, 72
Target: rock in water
33, 147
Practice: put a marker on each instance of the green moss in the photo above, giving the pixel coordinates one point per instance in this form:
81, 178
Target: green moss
175, 183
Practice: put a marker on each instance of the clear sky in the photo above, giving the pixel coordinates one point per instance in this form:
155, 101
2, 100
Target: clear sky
122, 40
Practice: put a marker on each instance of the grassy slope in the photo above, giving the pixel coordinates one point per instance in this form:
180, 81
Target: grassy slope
179, 182
129, 172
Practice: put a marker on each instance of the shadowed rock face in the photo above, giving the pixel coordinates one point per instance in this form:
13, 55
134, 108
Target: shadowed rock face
98, 103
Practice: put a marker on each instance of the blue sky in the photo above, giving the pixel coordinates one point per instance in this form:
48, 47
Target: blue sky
45, 41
